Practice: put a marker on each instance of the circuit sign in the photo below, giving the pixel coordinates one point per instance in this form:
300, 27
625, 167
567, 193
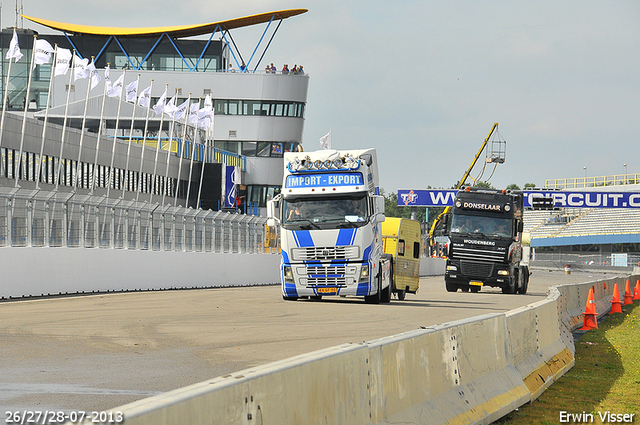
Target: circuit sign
562, 199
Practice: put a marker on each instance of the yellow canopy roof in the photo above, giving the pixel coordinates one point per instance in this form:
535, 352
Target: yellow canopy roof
177, 31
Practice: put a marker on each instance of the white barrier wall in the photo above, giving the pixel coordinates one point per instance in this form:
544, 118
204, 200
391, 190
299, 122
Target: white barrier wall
432, 266
471, 371
44, 271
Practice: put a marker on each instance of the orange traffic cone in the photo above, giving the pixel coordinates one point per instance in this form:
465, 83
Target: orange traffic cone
636, 292
590, 316
615, 301
627, 294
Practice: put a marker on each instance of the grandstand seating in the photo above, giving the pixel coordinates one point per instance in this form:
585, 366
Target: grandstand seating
583, 222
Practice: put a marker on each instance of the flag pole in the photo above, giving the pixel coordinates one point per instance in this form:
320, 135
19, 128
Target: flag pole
95, 161
155, 163
205, 156
166, 173
207, 135
46, 116
64, 122
182, 146
193, 154
112, 174
126, 169
24, 115
144, 139
84, 121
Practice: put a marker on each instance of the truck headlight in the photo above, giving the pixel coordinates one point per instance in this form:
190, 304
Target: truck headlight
288, 274
503, 272
364, 272
452, 268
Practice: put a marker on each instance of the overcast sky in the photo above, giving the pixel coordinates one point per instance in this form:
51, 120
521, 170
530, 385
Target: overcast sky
424, 81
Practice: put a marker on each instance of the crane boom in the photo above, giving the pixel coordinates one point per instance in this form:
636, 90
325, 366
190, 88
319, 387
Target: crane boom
462, 181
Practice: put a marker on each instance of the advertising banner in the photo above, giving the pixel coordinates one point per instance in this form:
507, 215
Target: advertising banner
562, 199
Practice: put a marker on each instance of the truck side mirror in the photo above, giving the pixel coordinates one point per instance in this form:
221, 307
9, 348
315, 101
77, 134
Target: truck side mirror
379, 218
273, 211
379, 204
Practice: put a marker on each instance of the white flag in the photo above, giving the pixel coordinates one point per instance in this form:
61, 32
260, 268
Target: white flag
193, 113
159, 106
205, 115
14, 48
170, 107
42, 52
204, 123
116, 88
145, 97
95, 77
325, 141
181, 110
80, 70
63, 61
107, 79
132, 92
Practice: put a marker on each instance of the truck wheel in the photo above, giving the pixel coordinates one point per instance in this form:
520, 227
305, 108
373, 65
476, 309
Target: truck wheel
523, 280
375, 298
401, 295
284, 297
451, 287
511, 287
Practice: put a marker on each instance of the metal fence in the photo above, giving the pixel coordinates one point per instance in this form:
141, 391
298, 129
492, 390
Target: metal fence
32, 218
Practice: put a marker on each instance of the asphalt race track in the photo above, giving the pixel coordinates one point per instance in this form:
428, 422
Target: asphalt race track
96, 352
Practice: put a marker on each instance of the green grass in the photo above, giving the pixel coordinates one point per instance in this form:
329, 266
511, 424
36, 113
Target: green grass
605, 377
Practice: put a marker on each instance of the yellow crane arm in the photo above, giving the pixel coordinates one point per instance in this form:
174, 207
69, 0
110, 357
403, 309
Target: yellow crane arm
463, 180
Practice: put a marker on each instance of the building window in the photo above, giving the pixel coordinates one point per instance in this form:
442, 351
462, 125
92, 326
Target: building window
258, 195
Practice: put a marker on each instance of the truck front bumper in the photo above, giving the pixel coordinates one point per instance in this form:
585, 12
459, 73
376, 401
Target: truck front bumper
326, 279
476, 273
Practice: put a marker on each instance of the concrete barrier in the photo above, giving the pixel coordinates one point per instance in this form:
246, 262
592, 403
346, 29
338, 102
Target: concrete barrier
48, 271
330, 386
471, 371
432, 266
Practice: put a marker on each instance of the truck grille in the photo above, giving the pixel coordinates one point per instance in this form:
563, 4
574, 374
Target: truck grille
320, 253
326, 275
330, 281
326, 271
479, 254
476, 269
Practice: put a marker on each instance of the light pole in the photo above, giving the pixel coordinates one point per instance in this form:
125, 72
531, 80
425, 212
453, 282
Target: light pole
625, 172
585, 175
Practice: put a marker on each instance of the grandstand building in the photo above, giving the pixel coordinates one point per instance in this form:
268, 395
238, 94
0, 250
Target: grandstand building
595, 236
259, 115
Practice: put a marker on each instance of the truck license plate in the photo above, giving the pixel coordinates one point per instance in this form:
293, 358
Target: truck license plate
328, 291
475, 283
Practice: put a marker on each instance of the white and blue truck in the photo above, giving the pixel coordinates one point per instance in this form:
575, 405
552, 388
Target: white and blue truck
330, 212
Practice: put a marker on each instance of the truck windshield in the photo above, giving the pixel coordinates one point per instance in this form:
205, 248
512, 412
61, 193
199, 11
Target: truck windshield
328, 212
488, 226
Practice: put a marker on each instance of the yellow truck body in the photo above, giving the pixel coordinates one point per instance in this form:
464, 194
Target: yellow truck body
401, 240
